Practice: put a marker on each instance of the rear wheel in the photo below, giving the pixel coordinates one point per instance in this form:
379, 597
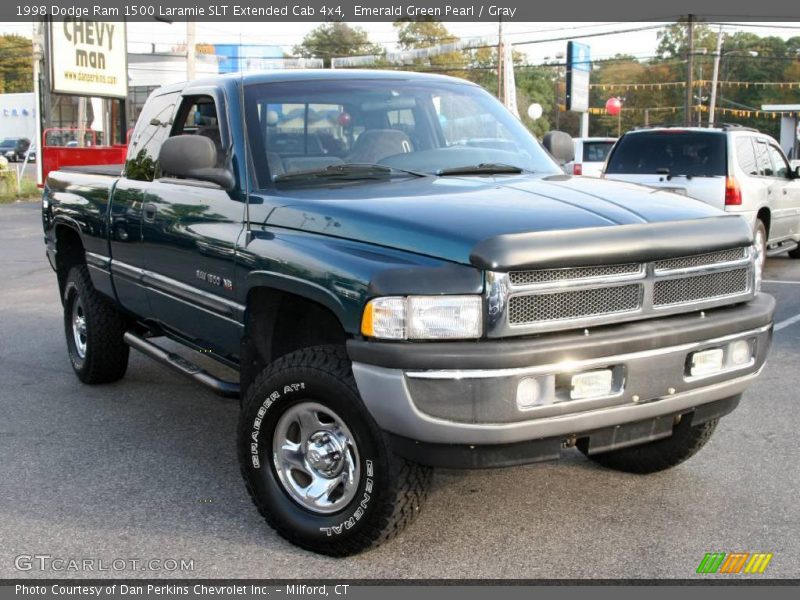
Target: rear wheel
317, 466
659, 455
94, 330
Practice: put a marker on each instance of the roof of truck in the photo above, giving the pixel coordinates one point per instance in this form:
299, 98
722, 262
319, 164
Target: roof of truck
278, 75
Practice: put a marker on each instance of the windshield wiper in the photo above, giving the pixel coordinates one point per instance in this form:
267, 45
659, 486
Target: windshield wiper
345, 172
482, 169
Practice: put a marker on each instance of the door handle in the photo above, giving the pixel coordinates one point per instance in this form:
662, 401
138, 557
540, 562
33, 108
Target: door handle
150, 212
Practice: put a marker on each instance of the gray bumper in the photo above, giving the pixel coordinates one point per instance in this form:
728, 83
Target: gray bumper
478, 406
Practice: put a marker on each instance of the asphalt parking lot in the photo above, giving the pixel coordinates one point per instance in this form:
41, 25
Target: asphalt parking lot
146, 469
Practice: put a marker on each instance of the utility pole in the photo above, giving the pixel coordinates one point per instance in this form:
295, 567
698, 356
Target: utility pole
687, 114
38, 57
712, 104
191, 58
500, 60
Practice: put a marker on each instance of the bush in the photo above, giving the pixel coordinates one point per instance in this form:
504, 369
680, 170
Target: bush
8, 187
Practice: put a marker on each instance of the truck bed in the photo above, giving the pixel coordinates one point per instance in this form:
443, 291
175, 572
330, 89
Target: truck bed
109, 170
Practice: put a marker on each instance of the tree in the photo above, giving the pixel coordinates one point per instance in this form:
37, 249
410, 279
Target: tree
330, 40
425, 33
16, 64
422, 34
673, 40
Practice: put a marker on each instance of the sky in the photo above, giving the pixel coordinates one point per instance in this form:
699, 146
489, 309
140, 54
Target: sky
142, 36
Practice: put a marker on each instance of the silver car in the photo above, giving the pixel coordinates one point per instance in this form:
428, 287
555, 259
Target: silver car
737, 169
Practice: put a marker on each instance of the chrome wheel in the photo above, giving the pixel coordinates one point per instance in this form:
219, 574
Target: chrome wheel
316, 458
79, 327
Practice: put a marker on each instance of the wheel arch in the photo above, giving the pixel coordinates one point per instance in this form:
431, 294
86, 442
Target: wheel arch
284, 314
69, 247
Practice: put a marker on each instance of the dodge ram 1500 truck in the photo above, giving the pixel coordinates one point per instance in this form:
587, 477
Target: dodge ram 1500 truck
403, 278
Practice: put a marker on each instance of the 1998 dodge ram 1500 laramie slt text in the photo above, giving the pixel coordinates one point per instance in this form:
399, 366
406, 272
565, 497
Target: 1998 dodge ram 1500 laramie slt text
403, 278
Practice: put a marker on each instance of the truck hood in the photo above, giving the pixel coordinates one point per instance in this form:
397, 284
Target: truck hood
446, 217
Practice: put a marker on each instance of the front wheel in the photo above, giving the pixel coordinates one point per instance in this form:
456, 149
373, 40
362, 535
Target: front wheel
659, 455
94, 330
317, 466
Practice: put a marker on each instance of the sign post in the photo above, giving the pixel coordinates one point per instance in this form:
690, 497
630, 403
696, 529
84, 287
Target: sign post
579, 68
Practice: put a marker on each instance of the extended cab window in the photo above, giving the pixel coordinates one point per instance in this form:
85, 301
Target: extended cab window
151, 130
673, 152
198, 116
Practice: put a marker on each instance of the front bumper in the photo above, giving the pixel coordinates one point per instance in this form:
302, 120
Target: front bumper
464, 393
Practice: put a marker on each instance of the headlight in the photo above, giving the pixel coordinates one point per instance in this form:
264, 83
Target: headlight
423, 318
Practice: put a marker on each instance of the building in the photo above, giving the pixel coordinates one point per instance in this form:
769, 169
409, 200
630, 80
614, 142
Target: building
18, 115
790, 127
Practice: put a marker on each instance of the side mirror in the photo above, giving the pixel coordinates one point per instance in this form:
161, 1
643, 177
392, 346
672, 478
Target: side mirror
193, 157
560, 146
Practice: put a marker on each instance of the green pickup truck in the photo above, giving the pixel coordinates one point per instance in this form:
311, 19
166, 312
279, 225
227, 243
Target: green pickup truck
403, 278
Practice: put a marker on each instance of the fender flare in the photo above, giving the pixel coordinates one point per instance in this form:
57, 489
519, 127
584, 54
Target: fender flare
299, 287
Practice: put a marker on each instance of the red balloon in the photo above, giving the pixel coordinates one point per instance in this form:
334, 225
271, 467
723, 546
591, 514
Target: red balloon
613, 106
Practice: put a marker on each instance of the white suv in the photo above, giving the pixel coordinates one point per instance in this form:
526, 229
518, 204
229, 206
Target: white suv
590, 154
733, 168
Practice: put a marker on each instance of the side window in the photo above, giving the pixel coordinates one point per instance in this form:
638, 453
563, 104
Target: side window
779, 162
198, 116
152, 129
746, 156
762, 159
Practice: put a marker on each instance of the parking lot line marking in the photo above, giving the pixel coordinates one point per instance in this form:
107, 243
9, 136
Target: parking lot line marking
779, 281
787, 322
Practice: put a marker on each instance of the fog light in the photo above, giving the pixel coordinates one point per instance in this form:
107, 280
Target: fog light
706, 362
527, 393
740, 352
591, 384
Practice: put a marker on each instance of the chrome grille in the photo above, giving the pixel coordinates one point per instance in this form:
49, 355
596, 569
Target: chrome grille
532, 301
577, 273
700, 260
700, 287
562, 306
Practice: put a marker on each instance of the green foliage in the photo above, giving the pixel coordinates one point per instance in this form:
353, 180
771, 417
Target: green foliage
330, 40
16, 64
426, 33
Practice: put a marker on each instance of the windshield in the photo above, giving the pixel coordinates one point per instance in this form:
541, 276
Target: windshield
9, 143
427, 127
670, 152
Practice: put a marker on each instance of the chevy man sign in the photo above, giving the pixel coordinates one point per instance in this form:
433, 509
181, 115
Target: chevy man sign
89, 58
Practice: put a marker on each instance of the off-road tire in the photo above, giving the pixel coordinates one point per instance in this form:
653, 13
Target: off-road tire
659, 455
391, 489
106, 356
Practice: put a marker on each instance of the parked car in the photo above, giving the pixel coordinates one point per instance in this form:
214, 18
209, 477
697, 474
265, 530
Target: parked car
590, 155
14, 149
410, 283
737, 169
